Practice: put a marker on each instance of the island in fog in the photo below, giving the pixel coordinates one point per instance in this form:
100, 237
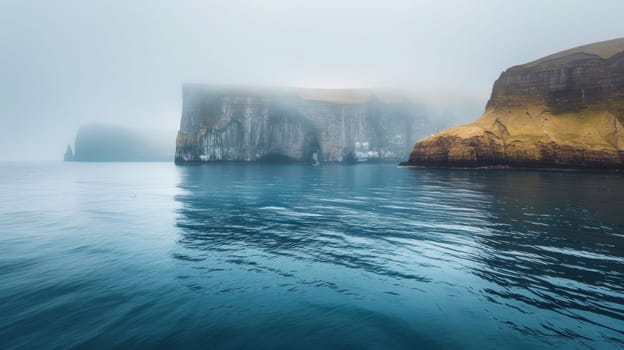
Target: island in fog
112, 143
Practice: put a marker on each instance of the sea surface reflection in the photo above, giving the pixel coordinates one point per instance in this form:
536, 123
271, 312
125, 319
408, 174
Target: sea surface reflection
290, 256
483, 257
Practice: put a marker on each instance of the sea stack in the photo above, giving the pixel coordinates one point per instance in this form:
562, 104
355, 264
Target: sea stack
562, 111
69, 154
294, 124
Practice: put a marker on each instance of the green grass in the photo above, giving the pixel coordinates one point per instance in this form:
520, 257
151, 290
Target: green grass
591, 129
604, 49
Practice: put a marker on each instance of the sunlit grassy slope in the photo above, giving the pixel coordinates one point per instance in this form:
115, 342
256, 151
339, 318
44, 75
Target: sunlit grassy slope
594, 129
604, 49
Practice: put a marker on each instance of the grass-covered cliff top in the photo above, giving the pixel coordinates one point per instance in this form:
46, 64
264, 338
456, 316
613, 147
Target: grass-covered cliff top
603, 49
342, 96
349, 95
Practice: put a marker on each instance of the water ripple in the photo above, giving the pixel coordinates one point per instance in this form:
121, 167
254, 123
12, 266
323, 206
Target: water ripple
367, 256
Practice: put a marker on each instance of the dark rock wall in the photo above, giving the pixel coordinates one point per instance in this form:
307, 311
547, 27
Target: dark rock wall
564, 84
220, 124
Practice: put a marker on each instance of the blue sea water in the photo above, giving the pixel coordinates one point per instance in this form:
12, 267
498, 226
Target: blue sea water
368, 256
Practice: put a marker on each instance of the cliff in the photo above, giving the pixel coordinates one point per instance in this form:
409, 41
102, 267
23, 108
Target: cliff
108, 143
291, 124
565, 110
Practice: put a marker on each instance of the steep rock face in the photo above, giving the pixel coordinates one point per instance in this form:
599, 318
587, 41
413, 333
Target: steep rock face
247, 124
564, 110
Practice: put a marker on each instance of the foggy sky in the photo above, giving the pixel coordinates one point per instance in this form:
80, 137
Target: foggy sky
65, 63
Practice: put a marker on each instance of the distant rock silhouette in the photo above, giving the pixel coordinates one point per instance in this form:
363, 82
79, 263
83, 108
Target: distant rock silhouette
69, 154
108, 143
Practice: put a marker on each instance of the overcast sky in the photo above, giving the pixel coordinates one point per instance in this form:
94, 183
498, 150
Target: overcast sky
65, 63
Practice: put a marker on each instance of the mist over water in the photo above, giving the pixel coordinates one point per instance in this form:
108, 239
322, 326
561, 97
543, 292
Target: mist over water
257, 256
68, 63
291, 256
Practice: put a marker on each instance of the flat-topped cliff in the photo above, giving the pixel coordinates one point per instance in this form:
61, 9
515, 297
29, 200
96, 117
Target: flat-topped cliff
294, 124
564, 110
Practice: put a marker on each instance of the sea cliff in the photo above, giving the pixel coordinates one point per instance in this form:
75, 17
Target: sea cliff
562, 111
292, 124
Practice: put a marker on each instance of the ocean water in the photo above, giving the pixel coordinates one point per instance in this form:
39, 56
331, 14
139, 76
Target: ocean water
368, 256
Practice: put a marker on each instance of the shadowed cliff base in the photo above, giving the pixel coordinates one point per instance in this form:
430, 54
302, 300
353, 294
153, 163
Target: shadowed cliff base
487, 165
563, 111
